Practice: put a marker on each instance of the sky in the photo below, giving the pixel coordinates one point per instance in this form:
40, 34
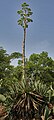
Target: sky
40, 33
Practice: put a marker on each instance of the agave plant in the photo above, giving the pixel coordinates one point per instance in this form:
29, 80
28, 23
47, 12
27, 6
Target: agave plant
27, 102
47, 114
49, 109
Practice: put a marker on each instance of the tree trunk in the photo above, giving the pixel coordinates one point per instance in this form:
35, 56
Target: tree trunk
23, 54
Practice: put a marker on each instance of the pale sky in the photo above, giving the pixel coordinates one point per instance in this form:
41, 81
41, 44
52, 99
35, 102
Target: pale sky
40, 33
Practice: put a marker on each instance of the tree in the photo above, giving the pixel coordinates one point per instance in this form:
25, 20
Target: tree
25, 13
40, 67
8, 78
6, 69
4, 63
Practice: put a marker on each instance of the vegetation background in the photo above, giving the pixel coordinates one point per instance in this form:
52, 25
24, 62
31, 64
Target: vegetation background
26, 90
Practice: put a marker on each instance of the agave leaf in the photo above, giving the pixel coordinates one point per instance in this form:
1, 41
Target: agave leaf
37, 103
35, 95
46, 113
22, 101
17, 103
35, 106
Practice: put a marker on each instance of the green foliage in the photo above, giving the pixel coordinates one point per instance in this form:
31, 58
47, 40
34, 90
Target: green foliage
24, 97
4, 63
25, 13
15, 55
2, 98
8, 77
39, 70
41, 67
47, 113
26, 103
18, 73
